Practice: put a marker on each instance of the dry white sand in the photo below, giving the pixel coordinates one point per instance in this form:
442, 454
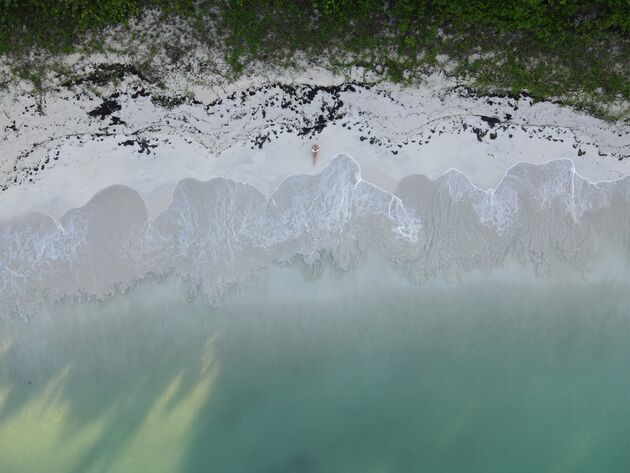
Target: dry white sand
258, 130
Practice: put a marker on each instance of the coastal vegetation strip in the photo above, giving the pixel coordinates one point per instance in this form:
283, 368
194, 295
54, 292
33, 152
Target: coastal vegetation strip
570, 50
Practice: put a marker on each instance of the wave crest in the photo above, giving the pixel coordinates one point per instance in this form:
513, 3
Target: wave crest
219, 232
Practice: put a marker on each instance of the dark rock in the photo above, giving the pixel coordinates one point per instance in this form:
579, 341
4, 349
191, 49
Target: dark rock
105, 109
490, 120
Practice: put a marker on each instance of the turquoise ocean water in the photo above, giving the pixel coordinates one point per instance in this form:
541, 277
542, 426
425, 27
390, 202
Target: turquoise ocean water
356, 371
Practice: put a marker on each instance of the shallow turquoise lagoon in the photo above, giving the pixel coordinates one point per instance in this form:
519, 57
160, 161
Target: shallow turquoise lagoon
356, 371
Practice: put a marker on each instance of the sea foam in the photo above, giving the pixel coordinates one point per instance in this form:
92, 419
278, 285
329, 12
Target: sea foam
220, 232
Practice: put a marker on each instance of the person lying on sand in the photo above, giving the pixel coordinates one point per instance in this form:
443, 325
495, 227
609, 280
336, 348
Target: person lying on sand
315, 151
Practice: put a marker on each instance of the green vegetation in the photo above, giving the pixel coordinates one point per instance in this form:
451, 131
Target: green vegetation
56, 24
573, 49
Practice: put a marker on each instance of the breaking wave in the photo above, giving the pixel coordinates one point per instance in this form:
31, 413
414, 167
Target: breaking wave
218, 233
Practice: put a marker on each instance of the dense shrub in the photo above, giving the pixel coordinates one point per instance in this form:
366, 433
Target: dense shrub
544, 18
56, 23
547, 46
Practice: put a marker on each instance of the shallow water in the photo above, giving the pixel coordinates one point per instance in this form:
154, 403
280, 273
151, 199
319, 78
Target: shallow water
358, 371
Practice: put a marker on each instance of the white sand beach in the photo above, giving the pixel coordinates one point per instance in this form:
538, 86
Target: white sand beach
260, 130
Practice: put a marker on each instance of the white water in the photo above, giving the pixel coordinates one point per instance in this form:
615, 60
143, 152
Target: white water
218, 233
